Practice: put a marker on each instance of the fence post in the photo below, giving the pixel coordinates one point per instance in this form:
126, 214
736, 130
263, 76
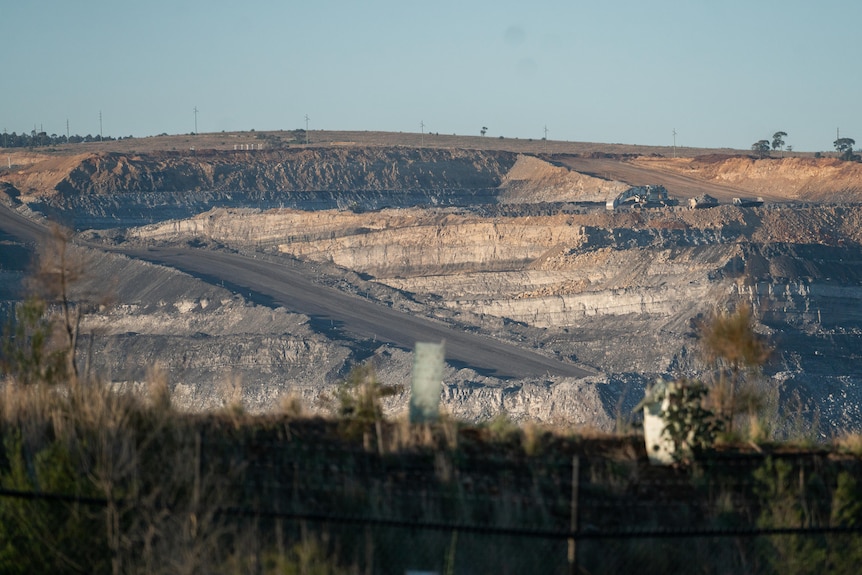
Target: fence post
196, 487
573, 525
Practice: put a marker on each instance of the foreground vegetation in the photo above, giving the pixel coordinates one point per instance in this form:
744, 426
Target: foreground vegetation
101, 481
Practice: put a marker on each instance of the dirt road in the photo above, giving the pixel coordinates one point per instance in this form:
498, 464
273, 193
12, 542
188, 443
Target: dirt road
278, 285
17, 226
677, 185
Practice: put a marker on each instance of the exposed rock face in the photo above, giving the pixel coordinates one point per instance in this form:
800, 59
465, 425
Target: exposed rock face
812, 179
111, 190
208, 339
298, 169
618, 291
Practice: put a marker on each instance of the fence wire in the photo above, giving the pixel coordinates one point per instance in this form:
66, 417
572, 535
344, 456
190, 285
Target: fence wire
288, 502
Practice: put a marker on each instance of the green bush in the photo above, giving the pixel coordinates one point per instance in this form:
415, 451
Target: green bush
47, 536
688, 424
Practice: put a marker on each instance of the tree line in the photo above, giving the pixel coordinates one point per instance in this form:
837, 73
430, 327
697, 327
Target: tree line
844, 147
39, 139
762, 147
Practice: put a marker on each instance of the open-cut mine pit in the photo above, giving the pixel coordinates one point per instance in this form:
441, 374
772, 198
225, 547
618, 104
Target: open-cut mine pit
516, 249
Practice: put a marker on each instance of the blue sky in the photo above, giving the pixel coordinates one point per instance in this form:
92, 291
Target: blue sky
721, 73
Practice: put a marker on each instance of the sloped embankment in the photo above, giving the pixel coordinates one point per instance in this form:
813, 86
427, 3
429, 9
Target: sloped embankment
792, 178
115, 190
300, 169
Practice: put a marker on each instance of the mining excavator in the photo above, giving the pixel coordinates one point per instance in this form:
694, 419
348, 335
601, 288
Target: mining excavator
643, 196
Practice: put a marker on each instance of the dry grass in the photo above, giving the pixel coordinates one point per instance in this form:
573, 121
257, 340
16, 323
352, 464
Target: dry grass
109, 444
291, 405
850, 443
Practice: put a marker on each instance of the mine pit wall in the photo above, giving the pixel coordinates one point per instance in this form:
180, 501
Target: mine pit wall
817, 305
209, 371
589, 402
430, 250
297, 169
116, 190
140, 209
486, 285
214, 346
816, 329
570, 310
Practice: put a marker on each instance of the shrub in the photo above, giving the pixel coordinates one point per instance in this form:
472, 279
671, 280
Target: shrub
732, 347
26, 355
359, 403
689, 425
